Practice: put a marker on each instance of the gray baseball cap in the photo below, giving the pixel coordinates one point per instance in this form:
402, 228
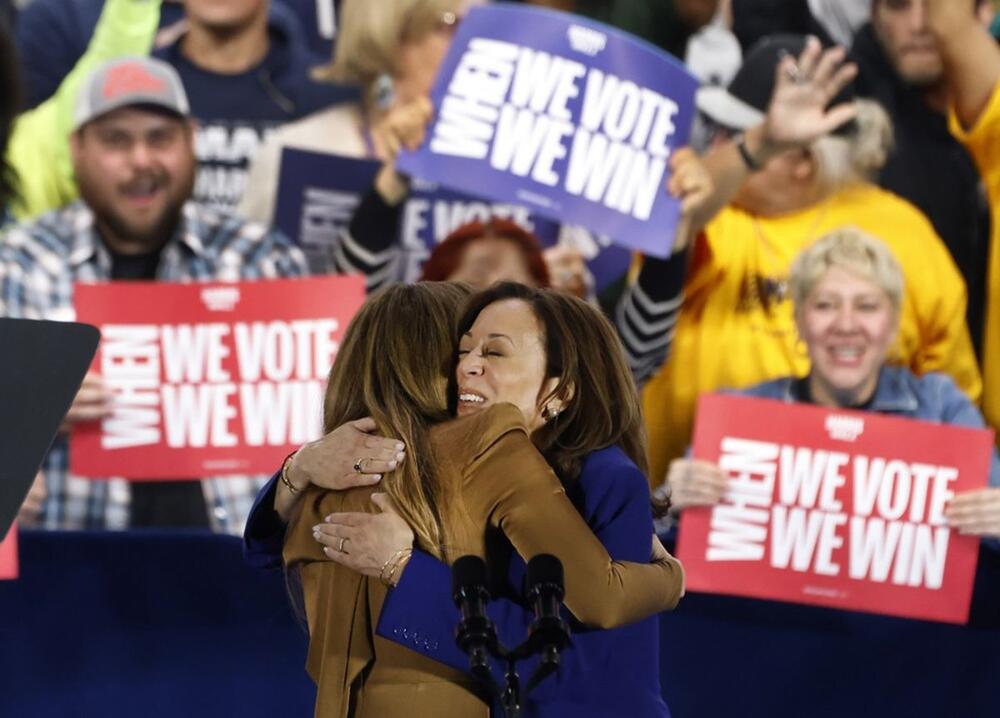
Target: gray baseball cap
127, 81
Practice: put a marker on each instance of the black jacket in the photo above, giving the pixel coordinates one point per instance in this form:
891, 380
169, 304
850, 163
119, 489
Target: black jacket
931, 169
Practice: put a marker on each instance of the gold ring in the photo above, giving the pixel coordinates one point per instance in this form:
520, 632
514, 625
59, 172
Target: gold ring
357, 466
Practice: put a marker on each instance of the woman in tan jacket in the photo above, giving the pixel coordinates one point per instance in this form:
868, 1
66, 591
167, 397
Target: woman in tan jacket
563, 392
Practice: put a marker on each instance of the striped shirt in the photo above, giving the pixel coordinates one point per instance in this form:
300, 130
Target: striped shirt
644, 316
39, 263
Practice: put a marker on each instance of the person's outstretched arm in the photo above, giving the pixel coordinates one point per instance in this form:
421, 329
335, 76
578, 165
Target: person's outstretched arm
971, 56
39, 146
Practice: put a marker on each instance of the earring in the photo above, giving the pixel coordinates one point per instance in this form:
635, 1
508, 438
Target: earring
549, 414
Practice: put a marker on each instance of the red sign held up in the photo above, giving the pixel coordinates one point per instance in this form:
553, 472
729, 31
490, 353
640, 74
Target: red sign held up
834, 508
215, 378
8, 555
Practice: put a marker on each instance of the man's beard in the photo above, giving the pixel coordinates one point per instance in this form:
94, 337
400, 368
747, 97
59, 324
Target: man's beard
146, 240
126, 235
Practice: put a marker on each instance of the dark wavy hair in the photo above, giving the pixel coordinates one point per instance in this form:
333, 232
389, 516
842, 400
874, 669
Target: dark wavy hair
10, 97
584, 354
446, 257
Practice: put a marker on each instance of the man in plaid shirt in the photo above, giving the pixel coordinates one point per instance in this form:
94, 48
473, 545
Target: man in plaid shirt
133, 156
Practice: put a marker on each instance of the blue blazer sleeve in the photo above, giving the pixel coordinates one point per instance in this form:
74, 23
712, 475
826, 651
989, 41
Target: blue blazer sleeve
420, 614
264, 535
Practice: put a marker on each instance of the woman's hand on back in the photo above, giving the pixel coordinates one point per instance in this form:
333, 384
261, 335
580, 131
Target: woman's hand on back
365, 542
350, 455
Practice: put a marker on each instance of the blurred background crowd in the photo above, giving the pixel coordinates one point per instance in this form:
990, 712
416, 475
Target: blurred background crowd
844, 260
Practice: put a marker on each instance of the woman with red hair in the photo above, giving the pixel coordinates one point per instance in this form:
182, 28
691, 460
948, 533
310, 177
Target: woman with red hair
483, 253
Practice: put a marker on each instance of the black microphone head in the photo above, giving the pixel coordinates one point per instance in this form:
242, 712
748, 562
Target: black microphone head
544, 569
466, 573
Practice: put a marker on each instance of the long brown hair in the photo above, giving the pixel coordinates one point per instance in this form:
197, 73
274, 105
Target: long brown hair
393, 366
601, 402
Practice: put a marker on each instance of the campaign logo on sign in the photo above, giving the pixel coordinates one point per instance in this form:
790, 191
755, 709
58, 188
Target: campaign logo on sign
220, 299
572, 118
834, 508
209, 378
845, 428
586, 40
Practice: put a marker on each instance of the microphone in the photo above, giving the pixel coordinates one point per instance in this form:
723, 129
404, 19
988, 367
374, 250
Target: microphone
548, 633
475, 633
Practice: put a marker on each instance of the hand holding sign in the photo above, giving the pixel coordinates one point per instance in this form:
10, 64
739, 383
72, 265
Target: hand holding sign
837, 508
28, 514
694, 482
691, 183
402, 127
92, 403
975, 513
566, 116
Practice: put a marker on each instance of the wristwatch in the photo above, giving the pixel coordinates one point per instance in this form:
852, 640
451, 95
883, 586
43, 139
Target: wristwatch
748, 159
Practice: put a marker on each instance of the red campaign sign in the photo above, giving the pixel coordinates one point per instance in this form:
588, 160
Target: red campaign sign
834, 508
207, 379
8, 554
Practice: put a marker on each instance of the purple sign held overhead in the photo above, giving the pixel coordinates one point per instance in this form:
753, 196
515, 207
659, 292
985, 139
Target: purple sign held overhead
570, 117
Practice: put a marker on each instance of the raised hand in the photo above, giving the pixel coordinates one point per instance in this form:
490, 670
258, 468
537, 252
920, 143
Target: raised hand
402, 127
804, 86
691, 182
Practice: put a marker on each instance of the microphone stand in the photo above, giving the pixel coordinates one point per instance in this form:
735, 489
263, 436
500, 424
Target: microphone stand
476, 635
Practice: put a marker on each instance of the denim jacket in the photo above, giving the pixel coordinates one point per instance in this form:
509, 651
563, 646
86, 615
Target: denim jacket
900, 392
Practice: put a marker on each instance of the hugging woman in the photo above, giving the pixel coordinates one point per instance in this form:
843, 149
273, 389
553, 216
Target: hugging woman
544, 456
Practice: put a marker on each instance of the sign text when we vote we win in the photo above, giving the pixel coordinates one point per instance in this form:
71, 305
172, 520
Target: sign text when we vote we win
786, 502
510, 104
181, 377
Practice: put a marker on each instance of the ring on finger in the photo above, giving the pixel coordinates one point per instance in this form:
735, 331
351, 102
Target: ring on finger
340, 546
358, 468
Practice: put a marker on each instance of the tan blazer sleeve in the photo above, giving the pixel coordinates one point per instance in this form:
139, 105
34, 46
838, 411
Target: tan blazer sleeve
512, 487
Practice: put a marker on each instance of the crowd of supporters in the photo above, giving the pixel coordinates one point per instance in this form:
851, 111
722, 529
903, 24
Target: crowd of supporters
182, 185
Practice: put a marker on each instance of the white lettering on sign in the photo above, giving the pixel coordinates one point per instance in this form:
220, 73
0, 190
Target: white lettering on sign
130, 368
215, 384
739, 525
785, 503
512, 104
477, 90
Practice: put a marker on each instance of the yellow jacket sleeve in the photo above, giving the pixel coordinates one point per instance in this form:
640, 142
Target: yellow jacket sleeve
38, 149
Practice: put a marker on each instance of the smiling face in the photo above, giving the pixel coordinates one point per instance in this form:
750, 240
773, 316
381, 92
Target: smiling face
848, 324
135, 169
502, 359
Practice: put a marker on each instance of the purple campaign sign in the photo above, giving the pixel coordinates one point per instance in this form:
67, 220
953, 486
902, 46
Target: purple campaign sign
570, 117
317, 195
